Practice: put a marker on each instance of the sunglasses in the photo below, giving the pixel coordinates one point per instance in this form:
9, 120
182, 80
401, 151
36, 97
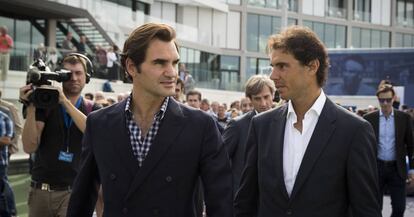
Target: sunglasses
383, 100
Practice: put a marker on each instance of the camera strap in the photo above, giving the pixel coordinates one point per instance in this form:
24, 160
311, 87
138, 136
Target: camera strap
68, 122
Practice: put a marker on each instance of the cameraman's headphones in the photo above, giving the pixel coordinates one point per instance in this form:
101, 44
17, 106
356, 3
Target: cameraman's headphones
89, 66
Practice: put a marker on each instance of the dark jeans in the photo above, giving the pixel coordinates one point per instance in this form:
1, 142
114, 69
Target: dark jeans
8, 192
390, 179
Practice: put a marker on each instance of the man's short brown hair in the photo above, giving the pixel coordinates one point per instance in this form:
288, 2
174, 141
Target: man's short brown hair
135, 47
74, 59
384, 89
305, 46
256, 83
194, 92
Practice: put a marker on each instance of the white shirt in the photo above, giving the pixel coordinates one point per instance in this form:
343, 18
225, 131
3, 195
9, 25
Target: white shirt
295, 142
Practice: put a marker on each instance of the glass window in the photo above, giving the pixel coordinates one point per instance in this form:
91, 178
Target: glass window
362, 10
260, 3
265, 31
356, 37
272, 3
329, 35
234, 2
365, 38
319, 29
22, 41
190, 60
293, 5
9, 23
375, 39
308, 24
335, 8
251, 66
407, 41
252, 32
264, 66
292, 21
410, 12
385, 39
398, 40
340, 37
183, 55
229, 63
276, 24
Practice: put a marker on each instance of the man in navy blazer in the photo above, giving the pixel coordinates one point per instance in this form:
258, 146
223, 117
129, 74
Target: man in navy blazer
148, 151
259, 91
309, 157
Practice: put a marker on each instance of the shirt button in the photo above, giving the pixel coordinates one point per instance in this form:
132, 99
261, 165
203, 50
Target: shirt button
168, 178
112, 176
125, 210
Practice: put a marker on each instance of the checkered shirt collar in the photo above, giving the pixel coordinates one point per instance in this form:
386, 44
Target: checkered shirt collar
160, 114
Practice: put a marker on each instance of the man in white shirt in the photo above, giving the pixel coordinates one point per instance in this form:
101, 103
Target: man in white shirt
309, 157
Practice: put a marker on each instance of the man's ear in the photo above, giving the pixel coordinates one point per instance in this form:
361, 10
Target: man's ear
131, 69
314, 66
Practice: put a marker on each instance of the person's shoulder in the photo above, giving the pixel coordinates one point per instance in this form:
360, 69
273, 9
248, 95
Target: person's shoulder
347, 117
402, 113
103, 112
269, 115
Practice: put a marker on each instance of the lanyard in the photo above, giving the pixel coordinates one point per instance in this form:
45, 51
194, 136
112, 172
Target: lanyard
68, 122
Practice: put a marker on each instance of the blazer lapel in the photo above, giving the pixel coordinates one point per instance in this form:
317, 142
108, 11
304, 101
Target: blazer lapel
122, 143
170, 128
320, 137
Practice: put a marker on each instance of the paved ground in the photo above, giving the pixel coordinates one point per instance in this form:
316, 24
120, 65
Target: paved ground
20, 185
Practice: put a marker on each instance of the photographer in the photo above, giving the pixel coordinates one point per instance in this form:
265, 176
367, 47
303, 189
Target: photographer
55, 134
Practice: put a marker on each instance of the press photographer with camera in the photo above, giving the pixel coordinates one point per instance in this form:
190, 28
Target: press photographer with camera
53, 131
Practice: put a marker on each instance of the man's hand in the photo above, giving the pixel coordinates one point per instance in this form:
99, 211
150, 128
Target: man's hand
25, 92
410, 177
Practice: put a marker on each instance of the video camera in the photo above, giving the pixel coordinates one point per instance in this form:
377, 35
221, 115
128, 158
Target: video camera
39, 74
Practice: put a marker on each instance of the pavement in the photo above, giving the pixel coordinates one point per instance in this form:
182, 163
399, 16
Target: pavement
409, 209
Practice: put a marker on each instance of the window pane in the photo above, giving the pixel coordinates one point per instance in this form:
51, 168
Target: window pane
276, 24
183, 55
385, 39
356, 37
307, 23
375, 39
292, 21
264, 66
265, 28
250, 67
234, 2
398, 40
271, 3
229, 63
252, 32
407, 40
260, 3
365, 38
318, 28
340, 40
329, 35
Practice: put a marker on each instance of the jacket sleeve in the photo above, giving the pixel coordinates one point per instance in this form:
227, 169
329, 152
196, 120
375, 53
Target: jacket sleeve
85, 188
216, 173
362, 173
247, 196
408, 140
231, 138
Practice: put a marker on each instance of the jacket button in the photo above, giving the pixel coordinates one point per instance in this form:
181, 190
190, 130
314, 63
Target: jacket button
168, 178
289, 212
125, 210
112, 176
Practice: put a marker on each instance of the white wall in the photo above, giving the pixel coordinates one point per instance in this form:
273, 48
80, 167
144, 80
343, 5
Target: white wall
219, 29
205, 25
233, 30
314, 7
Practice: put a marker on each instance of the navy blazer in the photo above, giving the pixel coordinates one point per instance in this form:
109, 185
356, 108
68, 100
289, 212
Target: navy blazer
188, 145
235, 138
338, 170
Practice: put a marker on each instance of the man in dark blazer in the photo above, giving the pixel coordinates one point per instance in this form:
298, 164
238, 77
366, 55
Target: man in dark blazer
259, 91
309, 157
393, 130
148, 151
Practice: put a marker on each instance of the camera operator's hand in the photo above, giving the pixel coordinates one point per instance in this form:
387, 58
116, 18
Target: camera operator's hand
24, 93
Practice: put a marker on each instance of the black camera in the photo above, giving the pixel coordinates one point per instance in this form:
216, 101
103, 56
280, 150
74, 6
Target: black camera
44, 95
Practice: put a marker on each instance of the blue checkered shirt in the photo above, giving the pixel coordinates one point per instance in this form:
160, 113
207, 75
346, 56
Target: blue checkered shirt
6, 129
142, 143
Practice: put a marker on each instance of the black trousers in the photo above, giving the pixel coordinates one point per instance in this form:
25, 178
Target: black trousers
390, 179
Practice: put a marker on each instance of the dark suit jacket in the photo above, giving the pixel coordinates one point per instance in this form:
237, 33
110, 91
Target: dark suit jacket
403, 138
235, 138
338, 169
188, 145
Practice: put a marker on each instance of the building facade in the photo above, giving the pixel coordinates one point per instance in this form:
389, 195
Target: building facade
223, 42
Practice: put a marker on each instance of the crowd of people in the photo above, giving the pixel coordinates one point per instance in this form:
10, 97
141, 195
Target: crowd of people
164, 150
